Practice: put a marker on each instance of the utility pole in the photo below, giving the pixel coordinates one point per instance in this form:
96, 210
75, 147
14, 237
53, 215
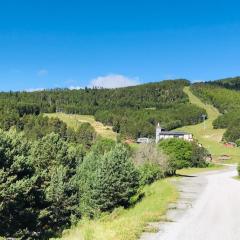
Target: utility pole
204, 118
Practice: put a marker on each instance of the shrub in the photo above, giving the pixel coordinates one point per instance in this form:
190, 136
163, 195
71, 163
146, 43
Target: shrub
199, 155
232, 134
183, 154
179, 151
103, 145
152, 163
150, 172
238, 142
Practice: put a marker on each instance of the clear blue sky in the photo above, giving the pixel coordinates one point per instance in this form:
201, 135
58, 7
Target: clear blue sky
56, 43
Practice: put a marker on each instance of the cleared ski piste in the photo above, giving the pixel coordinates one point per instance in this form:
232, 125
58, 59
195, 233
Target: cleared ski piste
204, 132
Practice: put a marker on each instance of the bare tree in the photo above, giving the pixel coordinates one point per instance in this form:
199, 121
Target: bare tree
149, 153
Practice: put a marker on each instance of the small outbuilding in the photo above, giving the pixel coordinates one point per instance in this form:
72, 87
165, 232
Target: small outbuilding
144, 140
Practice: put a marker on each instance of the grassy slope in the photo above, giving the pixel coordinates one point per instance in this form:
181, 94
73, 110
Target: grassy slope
74, 121
128, 224
204, 132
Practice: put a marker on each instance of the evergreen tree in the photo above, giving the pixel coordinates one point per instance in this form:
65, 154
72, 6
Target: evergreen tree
19, 191
107, 181
117, 180
56, 162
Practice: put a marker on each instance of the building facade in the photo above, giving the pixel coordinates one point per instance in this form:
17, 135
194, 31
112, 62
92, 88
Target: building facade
161, 134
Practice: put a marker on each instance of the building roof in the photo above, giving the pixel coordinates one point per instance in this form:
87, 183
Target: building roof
173, 133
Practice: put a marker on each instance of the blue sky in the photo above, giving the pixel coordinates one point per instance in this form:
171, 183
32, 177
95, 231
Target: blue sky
56, 43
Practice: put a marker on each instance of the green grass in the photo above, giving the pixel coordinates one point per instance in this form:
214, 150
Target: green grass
210, 138
189, 171
237, 178
75, 120
128, 224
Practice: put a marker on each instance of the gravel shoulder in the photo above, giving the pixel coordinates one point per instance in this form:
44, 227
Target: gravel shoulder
208, 208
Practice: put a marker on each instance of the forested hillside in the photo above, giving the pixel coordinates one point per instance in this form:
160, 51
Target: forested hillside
132, 111
230, 83
53, 175
227, 101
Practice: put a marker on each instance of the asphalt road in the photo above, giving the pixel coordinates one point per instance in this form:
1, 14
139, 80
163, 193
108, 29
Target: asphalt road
209, 209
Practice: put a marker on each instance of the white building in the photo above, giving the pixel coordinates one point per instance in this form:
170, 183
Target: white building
162, 134
144, 140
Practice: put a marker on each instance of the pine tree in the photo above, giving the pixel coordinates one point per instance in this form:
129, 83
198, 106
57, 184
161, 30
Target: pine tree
19, 192
117, 180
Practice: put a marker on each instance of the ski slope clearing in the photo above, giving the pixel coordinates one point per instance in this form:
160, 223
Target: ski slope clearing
210, 138
75, 120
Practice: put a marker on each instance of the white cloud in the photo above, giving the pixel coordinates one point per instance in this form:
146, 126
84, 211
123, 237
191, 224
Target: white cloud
34, 89
196, 81
114, 81
75, 87
42, 72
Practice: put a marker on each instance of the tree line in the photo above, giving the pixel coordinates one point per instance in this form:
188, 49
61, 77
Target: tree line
133, 111
229, 83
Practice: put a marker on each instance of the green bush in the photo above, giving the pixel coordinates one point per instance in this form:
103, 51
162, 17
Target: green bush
238, 142
199, 155
183, 154
103, 145
232, 134
238, 169
150, 172
107, 181
180, 152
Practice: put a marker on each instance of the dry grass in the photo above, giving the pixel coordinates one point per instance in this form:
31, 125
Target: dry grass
206, 135
128, 224
74, 121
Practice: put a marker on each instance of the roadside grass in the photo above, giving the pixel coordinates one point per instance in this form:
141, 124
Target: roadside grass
128, 224
75, 120
210, 138
237, 178
189, 171
134, 146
